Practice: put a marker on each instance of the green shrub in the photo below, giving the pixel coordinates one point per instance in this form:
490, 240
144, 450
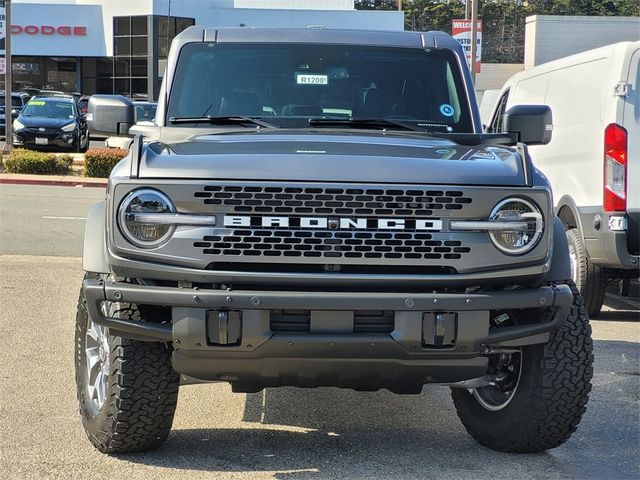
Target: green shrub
98, 162
41, 163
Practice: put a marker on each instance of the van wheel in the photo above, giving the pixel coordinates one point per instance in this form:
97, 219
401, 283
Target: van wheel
540, 392
127, 389
590, 279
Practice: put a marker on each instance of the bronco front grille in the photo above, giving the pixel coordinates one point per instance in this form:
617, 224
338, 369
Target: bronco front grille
266, 242
331, 245
265, 200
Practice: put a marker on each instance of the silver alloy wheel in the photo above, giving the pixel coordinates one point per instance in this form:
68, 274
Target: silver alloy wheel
97, 362
495, 399
573, 260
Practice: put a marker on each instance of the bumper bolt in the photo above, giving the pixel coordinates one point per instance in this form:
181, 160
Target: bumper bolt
542, 301
255, 300
409, 302
468, 300
117, 295
228, 299
435, 300
196, 298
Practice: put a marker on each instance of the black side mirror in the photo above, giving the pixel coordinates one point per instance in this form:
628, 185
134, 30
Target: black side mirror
530, 124
110, 115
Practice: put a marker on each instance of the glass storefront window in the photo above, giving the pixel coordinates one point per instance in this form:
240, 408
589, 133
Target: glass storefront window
139, 86
139, 46
138, 67
122, 46
122, 86
121, 67
139, 26
122, 26
56, 73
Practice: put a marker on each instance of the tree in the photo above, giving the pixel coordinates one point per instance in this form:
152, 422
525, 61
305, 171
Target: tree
503, 20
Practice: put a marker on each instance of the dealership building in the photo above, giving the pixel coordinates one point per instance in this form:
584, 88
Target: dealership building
121, 46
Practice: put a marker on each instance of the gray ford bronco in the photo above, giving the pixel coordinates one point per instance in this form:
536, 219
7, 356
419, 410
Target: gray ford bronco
321, 208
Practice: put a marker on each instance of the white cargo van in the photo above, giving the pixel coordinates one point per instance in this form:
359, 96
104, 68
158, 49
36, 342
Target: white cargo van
593, 159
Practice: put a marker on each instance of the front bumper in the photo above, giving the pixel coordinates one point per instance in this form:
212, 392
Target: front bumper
58, 139
399, 360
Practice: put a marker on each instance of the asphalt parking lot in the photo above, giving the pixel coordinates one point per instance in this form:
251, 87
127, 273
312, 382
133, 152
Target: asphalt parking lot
279, 433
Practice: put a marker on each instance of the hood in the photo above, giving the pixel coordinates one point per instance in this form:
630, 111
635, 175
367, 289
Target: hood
46, 122
333, 157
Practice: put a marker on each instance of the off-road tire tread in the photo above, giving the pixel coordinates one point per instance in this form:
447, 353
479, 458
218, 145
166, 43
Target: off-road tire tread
550, 411
593, 278
141, 396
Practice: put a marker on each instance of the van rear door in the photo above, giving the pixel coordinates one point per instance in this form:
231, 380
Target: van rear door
631, 123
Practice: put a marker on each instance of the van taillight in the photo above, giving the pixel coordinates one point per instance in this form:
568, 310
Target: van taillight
615, 169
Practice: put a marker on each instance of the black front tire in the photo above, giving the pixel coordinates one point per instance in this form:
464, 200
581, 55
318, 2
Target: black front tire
551, 395
86, 144
590, 279
141, 390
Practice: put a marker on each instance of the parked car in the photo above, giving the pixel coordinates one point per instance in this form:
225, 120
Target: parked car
593, 160
320, 208
47, 122
18, 101
83, 104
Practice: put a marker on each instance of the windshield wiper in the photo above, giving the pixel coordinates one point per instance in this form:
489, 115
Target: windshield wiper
363, 123
221, 120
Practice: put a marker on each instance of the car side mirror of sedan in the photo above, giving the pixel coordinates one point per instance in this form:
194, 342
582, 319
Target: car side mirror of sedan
530, 124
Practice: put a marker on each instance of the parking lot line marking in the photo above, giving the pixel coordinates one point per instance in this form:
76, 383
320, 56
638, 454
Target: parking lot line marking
47, 217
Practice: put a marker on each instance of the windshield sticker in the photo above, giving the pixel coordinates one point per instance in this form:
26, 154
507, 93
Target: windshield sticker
311, 79
37, 102
447, 110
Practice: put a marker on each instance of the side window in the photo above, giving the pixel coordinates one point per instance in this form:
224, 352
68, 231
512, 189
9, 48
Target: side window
496, 121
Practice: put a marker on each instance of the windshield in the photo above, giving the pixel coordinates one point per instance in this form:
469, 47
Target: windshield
289, 84
48, 108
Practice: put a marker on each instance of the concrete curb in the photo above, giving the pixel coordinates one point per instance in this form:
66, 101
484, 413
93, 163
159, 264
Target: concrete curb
59, 181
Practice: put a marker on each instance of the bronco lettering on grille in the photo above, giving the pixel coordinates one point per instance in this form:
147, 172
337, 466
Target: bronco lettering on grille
328, 223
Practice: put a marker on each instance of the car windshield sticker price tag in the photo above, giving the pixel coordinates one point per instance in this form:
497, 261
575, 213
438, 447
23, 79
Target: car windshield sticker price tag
311, 79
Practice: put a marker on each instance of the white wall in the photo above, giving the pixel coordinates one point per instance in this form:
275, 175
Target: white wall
297, 4
493, 76
549, 37
94, 43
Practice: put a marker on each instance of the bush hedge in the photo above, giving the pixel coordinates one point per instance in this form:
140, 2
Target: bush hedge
98, 162
41, 163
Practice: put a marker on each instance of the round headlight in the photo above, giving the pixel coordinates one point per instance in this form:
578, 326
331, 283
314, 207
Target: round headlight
521, 240
145, 234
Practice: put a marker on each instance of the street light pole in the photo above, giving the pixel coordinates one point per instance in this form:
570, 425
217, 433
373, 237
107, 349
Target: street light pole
474, 38
8, 117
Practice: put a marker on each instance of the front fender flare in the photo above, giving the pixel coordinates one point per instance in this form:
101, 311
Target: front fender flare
94, 254
560, 268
